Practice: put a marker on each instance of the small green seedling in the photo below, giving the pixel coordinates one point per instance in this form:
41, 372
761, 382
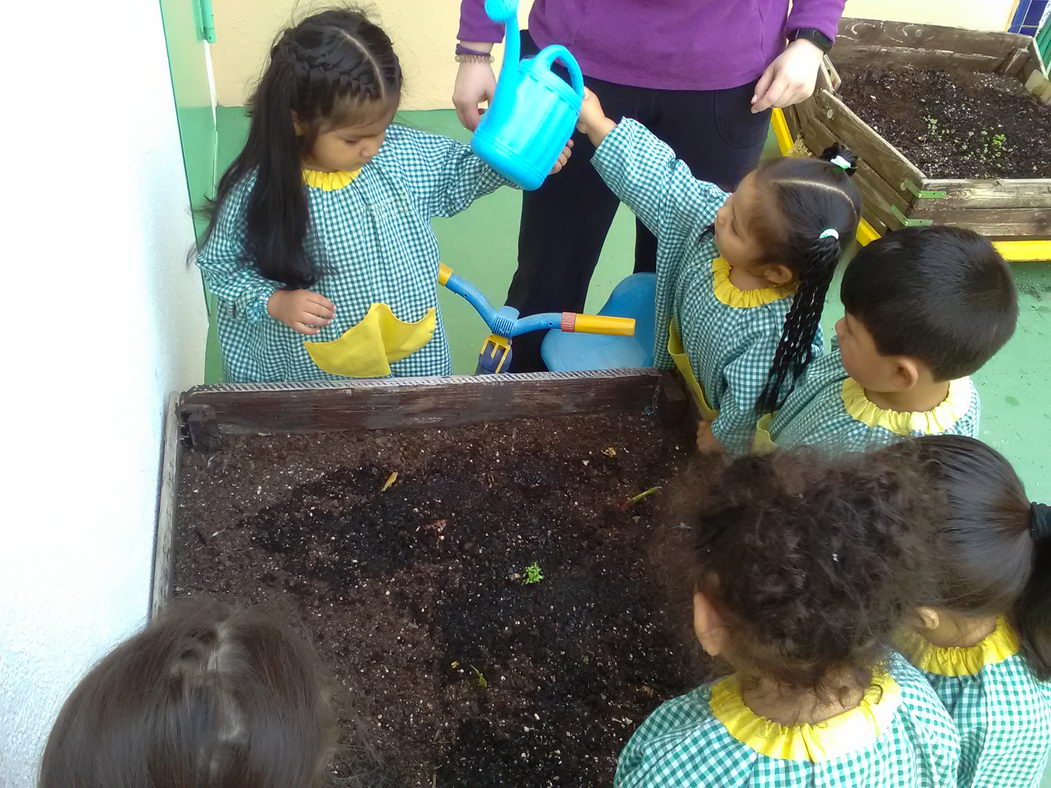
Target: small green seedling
533, 574
481, 678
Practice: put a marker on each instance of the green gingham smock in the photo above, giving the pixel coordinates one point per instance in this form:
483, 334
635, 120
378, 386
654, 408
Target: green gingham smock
1003, 713
729, 336
900, 736
374, 243
829, 410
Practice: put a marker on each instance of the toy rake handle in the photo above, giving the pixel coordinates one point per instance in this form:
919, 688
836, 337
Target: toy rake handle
598, 324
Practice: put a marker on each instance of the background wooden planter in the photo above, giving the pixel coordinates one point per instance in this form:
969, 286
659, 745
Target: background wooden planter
199, 418
896, 192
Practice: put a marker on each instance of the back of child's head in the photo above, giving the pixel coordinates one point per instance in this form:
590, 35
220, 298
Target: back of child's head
333, 69
815, 213
810, 563
942, 295
205, 696
992, 545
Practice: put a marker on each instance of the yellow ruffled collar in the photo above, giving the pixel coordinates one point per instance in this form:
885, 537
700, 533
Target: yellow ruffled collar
329, 181
731, 295
809, 742
995, 647
926, 422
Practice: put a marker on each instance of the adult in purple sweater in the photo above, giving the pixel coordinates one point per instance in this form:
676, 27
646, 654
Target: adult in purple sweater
701, 74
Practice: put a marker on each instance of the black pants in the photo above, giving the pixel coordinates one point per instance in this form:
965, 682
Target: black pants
565, 221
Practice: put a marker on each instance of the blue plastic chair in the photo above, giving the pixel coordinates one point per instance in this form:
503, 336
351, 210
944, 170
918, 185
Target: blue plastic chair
634, 297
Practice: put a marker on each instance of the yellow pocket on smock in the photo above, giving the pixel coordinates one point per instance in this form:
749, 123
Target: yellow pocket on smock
367, 349
682, 363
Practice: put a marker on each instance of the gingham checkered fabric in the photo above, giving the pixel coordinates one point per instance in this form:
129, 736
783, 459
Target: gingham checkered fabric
1003, 715
730, 349
374, 243
813, 414
683, 744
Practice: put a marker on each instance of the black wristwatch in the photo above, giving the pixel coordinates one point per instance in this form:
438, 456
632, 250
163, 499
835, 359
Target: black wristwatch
815, 37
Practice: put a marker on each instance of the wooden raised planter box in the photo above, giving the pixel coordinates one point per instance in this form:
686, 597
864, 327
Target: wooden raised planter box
397, 519
895, 191
200, 418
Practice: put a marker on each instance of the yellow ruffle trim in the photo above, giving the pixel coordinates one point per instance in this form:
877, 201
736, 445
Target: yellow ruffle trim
808, 742
731, 295
926, 422
329, 181
367, 349
995, 647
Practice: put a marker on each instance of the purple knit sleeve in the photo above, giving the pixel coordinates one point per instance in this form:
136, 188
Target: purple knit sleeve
475, 25
821, 15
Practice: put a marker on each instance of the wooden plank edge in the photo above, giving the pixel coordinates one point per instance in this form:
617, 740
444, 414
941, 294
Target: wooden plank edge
886, 32
991, 192
828, 101
161, 575
412, 403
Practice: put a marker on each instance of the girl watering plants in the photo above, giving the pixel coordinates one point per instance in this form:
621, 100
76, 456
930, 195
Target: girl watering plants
320, 251
701, 74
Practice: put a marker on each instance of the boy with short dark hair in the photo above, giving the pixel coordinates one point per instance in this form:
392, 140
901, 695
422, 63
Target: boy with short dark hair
925, 308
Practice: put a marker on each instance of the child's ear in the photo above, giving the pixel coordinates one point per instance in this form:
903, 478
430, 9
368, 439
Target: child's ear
708, 625
924, 619
778, 274
906, 373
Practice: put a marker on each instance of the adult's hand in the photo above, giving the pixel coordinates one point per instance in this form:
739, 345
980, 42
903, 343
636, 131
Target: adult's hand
475, 83
790, 78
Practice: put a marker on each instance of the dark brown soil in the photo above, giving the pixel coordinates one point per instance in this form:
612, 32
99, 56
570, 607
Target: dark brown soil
462, 674
954, 125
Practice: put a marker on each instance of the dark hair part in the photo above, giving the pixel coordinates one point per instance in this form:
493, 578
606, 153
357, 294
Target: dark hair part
989, 559
332, 69
811, 562
812, 196
204, 696
940, 294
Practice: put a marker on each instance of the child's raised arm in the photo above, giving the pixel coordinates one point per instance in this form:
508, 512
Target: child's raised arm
644, 173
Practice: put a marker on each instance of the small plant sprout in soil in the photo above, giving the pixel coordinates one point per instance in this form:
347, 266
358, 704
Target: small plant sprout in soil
533, 574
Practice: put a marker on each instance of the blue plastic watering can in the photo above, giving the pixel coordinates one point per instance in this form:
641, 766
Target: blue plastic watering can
534, 111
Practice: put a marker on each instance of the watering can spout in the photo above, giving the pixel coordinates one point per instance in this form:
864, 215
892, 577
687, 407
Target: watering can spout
534, 112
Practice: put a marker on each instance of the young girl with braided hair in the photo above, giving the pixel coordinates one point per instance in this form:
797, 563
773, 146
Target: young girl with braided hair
321, 226
983, 635
795, 570
741, 278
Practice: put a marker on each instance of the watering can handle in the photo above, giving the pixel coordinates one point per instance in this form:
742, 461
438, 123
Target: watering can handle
548, 55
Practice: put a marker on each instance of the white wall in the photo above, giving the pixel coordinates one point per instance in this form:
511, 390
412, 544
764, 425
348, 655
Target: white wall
101, 319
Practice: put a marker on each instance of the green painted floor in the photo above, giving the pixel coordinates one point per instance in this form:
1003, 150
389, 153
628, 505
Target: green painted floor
481, 245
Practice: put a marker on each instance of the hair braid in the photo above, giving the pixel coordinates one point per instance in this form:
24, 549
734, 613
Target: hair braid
794, 349
812, 196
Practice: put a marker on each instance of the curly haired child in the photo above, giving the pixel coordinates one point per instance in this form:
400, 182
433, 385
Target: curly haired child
205, 696
983, 636
925, 308
799, 570
742, 277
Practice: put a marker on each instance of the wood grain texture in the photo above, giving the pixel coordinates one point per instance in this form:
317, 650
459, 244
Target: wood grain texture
421, 402
887, 33
1002, 193
161, 582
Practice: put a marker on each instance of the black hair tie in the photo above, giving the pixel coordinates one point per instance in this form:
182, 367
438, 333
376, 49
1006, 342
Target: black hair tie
1040, 522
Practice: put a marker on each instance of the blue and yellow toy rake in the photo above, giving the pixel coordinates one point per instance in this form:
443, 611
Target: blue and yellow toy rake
505, 324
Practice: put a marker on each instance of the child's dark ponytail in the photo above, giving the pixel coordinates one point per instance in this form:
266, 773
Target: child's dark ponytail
819, 212
333, 69
1032, 614
993, 547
